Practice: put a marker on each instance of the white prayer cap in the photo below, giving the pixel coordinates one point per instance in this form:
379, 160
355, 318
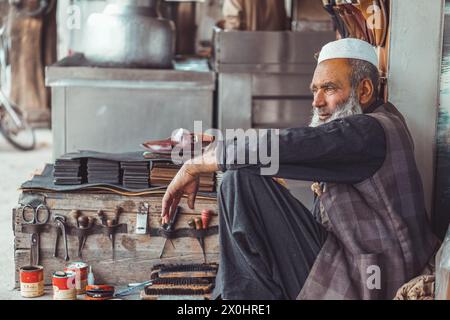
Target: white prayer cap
349, 48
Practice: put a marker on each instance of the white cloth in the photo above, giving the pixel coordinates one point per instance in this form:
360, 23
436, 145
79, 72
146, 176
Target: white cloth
349, 48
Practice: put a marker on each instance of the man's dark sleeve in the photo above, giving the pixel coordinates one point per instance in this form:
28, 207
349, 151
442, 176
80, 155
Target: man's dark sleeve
347, 150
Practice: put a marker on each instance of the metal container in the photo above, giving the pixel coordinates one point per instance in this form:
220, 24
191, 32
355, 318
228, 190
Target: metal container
126, 35
81, 274
64, 286
31, 281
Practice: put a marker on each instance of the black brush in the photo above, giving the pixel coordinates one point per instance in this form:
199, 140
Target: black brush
182, 281
173, 291
188, 267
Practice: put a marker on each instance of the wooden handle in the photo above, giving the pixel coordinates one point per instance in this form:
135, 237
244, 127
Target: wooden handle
83, 221
198, 223
206, 217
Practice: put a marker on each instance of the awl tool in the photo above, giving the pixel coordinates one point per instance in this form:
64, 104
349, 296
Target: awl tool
112, 224
169, 227
201, 240
199, 224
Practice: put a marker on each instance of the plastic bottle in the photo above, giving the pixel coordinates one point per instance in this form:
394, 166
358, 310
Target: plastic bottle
91, 279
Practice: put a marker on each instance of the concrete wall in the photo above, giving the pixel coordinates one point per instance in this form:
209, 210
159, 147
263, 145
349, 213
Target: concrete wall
414, 71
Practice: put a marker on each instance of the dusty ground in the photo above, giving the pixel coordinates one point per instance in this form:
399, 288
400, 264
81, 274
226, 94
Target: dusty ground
15, 168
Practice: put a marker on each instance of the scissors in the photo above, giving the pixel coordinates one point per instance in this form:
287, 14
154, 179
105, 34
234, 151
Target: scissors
40, 216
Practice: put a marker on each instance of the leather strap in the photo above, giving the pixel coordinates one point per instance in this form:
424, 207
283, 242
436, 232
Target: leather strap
385, 22
185, 232
120, 228
74, 231
340, 26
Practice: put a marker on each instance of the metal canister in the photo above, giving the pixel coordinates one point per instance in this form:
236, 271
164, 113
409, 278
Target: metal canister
32, 281
64, 286
81, 275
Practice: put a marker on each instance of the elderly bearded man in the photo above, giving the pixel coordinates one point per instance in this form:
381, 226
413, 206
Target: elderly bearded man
368, 233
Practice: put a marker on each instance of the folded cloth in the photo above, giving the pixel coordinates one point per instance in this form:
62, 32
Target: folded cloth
419, 288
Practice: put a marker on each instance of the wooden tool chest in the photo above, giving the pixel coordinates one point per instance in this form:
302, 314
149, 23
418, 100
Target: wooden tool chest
135, 254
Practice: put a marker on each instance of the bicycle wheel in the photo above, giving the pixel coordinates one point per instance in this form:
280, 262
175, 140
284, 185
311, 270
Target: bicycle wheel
16, 130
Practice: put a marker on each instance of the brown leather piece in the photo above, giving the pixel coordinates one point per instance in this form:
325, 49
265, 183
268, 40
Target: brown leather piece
385, 22
366, 20
376, 14
360, 22
364, 7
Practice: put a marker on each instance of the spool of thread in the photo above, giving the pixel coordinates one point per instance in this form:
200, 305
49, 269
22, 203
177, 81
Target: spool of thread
206, 218
31, 281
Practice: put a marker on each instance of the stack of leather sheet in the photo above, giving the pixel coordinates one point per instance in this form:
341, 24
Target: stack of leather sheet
103, 171
136, 174
362, 19
163, 173
68, 172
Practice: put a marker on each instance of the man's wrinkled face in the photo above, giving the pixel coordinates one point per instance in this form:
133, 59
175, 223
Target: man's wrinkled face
333, 94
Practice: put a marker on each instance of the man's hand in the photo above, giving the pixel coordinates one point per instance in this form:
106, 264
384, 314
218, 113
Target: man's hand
187, 182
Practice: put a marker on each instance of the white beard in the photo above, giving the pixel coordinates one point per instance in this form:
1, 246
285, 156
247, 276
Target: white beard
345, 109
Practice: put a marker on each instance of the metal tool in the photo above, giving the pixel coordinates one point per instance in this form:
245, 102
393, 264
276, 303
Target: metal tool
91, 221
196, 224
60, 222
75, 214
82, 223
111, 224
132, 288
102, 217
117, 213
58, 234
142, 219
169, 227
40, 216
201, 240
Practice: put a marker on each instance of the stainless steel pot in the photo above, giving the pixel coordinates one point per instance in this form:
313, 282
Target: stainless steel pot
130, 34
